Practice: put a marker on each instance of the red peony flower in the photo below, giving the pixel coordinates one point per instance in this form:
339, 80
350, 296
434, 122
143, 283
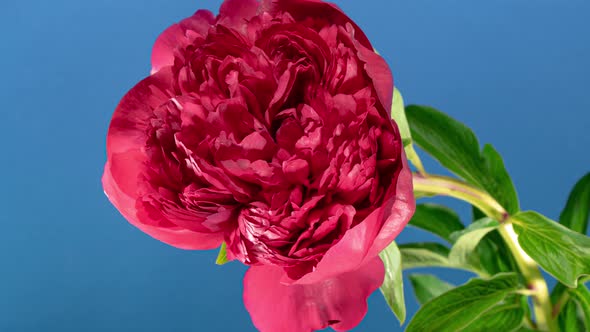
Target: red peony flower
268, 127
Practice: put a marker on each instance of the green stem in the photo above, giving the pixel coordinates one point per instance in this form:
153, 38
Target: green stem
440, 185
533, 277
445, 186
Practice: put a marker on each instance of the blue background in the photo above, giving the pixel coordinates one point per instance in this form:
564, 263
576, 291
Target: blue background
517, 72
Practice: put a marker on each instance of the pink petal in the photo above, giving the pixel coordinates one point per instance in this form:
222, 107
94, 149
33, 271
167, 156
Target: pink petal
339, 302
177, 237
366, 240
176, 37
302, 9
235, 13
379, 72
125, 145
402, 210
128, 125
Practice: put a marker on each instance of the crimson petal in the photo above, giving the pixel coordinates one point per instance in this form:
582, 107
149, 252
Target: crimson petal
126, 161
319, 9
366, 240
177, 37
236, 13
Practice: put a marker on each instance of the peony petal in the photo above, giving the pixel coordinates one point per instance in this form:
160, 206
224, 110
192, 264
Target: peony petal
177, 237
379, 72
328, 12
339, 302
176, 37
366, 240
127, 130
125, 152
402, 210
235, 13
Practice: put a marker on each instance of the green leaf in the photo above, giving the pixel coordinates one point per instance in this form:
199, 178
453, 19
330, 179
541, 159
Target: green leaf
398, 114
424, 255
569, 318
476, 213
524, 304
488, 254
561, 252
557, 292
393, 285
496, 180
222, 255
492, 250
493, 254
581, 296
455, 146
458, 308
463, 252
576, 211
504, 317
427, 287
436, 219
429, 254
475, 226
574, 306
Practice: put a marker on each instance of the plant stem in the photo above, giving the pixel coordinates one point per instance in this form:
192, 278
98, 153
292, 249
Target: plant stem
445, 186
440, 185
533, 277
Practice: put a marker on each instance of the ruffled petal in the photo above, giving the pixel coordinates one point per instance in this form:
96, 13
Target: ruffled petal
179, 36
375, 65
366, 240
318, 9
379, 72
126, 161
236, 13
177, 237
127, 130
339, 302
402, 210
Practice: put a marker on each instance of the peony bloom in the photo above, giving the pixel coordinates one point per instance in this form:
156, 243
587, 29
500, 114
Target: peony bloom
267, 128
